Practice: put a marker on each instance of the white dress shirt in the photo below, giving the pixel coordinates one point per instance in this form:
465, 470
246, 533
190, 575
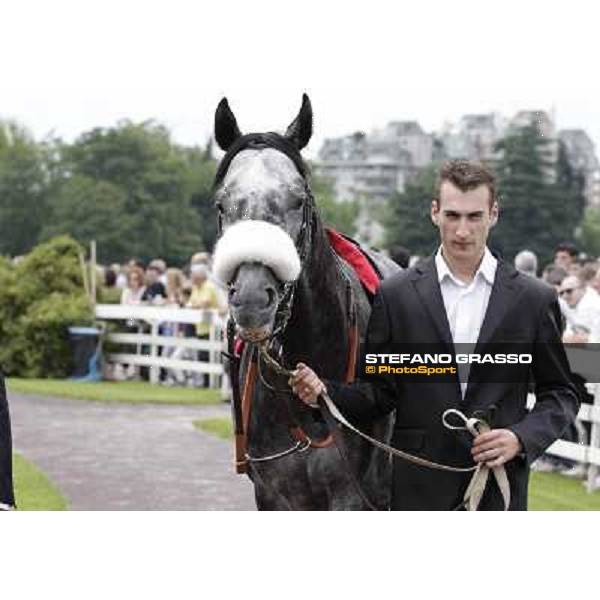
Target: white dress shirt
586, 314
466, 303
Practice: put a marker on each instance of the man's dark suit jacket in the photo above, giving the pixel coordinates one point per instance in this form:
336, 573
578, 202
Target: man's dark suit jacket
6, 483
409, 309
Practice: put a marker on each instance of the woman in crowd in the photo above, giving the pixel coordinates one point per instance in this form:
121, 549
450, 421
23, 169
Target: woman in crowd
135, 289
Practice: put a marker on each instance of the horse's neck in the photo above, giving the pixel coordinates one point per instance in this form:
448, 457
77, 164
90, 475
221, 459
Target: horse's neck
315, 334
319, 314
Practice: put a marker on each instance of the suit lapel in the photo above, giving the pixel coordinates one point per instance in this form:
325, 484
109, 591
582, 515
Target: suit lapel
505, 292
427, 286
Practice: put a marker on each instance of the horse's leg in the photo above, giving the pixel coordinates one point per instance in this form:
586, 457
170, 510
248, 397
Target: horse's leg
267, 499
346, 498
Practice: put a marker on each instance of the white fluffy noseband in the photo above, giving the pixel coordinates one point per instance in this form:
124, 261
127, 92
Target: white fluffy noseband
259, 242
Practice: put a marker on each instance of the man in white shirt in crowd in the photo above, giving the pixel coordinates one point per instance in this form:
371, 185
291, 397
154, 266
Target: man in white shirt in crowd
582, 313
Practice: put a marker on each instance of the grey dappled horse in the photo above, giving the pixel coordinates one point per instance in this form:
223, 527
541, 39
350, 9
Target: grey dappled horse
284, 279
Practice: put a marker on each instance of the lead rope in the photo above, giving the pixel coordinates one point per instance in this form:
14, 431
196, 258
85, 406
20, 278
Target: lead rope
474, 426
478, 482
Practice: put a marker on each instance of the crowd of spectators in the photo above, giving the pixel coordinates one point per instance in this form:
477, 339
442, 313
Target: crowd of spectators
576, 278
157, 284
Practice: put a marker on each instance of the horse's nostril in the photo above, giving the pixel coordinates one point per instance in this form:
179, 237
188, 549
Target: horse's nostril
271, 296
231, 293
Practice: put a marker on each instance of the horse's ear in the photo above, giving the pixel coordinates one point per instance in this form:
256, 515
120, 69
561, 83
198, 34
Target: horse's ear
226, 127
300, 129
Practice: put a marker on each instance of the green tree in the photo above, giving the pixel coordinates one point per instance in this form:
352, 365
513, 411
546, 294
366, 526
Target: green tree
541, 200
201, 168
590, 232
336, 213
23, 189
92, 210
408, 221
145, 179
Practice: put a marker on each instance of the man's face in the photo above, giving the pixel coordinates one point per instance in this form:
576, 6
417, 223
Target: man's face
464, 220
571, 291
562, 259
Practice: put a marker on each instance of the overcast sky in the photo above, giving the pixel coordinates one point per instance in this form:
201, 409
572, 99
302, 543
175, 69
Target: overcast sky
67, 67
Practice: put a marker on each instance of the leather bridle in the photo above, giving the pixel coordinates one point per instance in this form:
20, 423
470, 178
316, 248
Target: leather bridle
242, 402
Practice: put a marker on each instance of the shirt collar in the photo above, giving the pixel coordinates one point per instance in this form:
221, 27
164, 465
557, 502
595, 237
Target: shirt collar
487, 268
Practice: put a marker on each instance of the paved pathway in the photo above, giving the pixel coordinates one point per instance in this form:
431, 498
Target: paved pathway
129, 457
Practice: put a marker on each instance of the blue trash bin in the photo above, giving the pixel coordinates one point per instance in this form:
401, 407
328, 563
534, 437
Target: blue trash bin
85, 346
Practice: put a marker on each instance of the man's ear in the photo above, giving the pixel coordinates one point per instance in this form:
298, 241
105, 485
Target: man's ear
495, 211
435, 212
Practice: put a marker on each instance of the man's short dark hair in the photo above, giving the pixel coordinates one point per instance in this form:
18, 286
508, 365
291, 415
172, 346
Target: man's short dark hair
466, 175
568, 247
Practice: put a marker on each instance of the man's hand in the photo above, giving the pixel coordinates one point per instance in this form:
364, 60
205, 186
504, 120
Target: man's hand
306, 385
496, 447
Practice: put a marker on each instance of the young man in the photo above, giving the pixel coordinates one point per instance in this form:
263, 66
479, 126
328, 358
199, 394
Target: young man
565, 256
462, 295
7, 498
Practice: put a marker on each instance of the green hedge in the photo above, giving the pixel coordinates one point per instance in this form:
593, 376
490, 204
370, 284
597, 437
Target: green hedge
41, 296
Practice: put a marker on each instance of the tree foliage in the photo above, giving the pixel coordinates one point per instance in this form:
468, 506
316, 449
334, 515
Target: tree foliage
336, 213
23, 189
590, 232
137, 193
201, 169
40, 297
130, 189
408, 222
541, 199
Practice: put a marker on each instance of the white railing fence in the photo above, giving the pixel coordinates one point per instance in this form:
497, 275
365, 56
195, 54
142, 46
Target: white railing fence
181, 352
146, 342
588, 451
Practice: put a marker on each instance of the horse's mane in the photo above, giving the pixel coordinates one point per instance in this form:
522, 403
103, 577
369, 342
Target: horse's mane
255, 141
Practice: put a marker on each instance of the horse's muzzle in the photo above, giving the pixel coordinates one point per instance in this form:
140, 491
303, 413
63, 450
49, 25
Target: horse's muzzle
253, 300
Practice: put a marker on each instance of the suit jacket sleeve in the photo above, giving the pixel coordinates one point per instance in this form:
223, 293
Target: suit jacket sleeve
375, 396
557, 399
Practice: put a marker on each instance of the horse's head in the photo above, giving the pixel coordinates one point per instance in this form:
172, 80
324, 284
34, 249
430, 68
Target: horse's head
265, 214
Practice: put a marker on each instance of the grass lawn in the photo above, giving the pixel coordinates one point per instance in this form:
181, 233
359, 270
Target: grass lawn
547, 491
128, 392
33, 490
550, 491
220, 426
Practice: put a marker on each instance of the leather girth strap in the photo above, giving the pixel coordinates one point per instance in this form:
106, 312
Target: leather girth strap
241, 463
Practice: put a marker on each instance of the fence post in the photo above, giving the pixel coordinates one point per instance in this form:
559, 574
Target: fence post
154, 370
594, 442
212, 378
